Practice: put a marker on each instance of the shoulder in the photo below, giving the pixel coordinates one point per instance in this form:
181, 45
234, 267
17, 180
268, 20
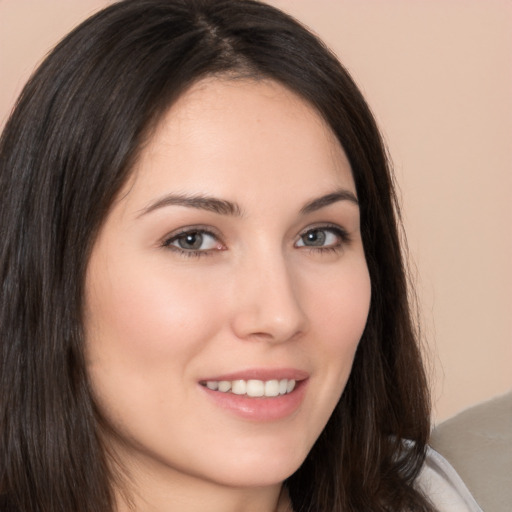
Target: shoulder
478, 444
443, 486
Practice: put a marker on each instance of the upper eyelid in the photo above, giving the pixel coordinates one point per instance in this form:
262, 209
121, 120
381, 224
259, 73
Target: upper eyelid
208, 230
321, 225
326, 226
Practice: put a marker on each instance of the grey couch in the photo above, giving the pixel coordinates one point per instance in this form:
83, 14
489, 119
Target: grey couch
478, 444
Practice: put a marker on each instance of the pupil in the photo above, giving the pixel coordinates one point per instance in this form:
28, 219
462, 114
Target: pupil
191, 241
315, 238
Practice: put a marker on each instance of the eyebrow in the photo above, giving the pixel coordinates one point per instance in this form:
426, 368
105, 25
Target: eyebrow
328, 199
225, 207
211, 204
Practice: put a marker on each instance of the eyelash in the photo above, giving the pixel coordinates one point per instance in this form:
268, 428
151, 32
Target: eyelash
189, 231
334, 229
338, 231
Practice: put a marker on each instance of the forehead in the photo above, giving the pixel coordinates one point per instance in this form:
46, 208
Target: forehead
224, 135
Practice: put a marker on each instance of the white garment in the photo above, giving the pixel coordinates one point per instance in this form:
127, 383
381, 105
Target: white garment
444, 487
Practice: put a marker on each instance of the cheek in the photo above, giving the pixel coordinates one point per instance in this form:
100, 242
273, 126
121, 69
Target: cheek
146, 319
144, 327
341, 307
339, 316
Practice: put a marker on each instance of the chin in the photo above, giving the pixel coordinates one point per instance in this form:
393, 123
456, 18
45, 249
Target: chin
260, 467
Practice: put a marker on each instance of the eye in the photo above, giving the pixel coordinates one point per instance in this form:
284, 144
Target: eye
325, 237
193, 242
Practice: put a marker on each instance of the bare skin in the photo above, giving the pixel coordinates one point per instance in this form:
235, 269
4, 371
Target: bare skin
234, 249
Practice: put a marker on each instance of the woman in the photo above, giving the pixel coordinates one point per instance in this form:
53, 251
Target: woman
203, 302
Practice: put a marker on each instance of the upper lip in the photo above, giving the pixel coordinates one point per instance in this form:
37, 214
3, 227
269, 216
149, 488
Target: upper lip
263, 374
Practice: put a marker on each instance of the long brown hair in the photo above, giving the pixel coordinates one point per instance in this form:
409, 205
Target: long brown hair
65, 152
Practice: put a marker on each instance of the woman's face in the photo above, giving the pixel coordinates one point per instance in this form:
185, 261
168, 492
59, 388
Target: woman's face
232, 259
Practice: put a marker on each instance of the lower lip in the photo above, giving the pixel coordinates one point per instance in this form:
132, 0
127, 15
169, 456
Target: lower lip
260, 408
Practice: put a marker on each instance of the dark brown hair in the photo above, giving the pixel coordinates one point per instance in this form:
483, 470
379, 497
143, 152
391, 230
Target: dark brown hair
70, 145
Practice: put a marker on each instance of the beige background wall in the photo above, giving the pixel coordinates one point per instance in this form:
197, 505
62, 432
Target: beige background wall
438, 75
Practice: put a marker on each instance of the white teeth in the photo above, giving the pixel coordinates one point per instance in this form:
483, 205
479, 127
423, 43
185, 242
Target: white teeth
271, 388
253, 387
239, 387
224, 386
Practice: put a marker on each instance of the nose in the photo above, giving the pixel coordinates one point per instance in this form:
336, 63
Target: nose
268, 305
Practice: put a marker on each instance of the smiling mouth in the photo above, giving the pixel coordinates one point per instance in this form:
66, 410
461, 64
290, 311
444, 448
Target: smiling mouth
252, 387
